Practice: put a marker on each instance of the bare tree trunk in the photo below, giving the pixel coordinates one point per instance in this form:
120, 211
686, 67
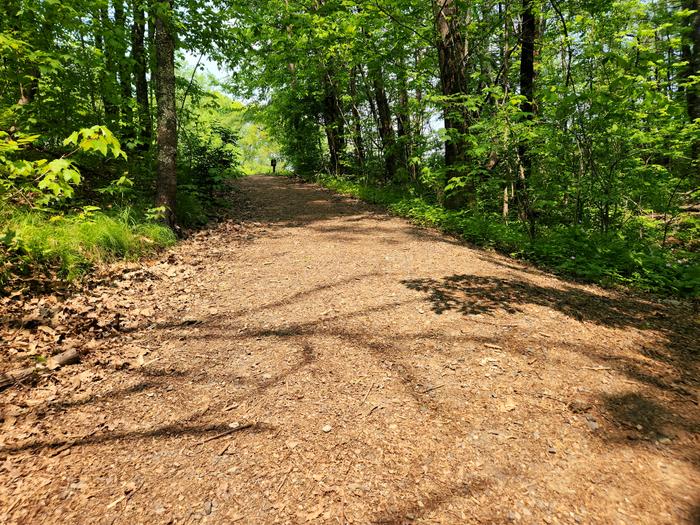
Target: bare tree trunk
403, 121
108, 83
166, 139
452, 55
527, 86
138, 54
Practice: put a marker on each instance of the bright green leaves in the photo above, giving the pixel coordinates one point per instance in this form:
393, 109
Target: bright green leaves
98, 139
57, 181
45, 183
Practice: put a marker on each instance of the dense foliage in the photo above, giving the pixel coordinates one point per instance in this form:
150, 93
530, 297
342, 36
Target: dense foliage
80, 164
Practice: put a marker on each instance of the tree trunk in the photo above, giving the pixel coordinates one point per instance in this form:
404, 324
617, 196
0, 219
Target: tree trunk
108, 82
166, 139
452, 55
356, 121
138, 55
123, 68
505, 48
386, 129
527, 85
369, 97
403, 121
334, 124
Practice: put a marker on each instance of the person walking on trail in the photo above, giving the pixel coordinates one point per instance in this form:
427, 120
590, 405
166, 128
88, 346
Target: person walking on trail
273, 163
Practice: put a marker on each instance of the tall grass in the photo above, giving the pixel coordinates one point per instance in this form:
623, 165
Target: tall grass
72, 244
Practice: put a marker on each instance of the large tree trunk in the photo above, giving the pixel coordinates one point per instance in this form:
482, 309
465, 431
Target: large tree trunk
527, 87
386, 129
452, 55
138, 55
166, 178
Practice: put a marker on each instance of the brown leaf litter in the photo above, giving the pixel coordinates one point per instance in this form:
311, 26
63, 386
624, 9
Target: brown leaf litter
315, 360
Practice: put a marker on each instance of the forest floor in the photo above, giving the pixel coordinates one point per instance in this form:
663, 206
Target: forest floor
312, 359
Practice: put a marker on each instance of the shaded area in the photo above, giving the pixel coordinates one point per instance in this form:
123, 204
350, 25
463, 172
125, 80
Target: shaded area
639, 416
172, 430
472, 294
296, 205
649, 417
412, 511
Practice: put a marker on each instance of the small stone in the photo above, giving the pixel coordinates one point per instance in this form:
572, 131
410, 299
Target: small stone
327, 429
552, 450
592, 424
208, 507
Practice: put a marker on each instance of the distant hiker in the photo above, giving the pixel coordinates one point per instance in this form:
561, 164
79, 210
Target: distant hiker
273, 163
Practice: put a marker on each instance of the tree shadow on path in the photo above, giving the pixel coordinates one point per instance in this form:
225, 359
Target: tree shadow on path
665, 367
473, 294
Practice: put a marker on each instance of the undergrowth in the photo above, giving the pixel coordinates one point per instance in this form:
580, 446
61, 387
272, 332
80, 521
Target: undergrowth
33, 243
626, 257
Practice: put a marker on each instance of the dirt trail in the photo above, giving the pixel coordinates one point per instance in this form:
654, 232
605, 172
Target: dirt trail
318, 361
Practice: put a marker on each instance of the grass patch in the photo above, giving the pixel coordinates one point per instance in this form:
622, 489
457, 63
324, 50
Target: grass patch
32, 242
625, 258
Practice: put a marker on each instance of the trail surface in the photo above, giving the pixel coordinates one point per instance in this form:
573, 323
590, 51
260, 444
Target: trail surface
314, 360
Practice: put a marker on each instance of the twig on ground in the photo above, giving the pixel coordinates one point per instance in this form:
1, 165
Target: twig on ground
126, 497
375, 407
226, 433
284, 478
368, 391
433, 388
223, 450
150, 362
